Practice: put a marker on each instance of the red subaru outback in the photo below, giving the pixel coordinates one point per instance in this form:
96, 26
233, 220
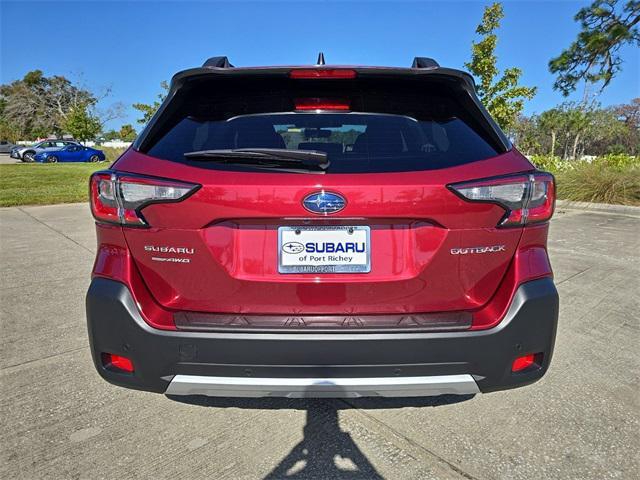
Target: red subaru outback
322, 231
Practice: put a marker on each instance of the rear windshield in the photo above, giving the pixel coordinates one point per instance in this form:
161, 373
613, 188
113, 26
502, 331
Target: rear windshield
406, 129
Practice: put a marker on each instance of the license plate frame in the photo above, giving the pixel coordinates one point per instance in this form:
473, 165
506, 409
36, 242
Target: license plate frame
361, 231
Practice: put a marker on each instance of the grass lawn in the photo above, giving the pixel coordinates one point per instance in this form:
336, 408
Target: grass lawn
41, 184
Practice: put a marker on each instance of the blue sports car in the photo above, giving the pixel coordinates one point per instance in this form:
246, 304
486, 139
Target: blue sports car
70, 153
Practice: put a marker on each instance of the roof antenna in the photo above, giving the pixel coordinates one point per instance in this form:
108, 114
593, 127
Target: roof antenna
320, 59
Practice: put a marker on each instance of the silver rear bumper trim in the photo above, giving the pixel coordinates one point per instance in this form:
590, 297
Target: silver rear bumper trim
256, 387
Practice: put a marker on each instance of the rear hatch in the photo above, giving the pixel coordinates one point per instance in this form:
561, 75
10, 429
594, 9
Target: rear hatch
365, 223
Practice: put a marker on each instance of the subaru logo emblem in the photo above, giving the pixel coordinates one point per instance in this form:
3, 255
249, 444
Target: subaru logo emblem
293, 247
324, 203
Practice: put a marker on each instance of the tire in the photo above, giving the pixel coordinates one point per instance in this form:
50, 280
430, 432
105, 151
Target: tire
51, 159
28, 157
94, 159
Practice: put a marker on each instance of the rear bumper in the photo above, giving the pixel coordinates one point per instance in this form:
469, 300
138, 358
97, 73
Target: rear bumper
321, 364
322, 387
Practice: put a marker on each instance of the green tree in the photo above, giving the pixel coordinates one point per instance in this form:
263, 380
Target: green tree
8, 132
606, 133
111, 135
572, 130
627, 138
38, 106
551, 123
629, 113
562, 129
500, 94
81, 123
127, 133
148, 110
578, 119
525, 133
606, 25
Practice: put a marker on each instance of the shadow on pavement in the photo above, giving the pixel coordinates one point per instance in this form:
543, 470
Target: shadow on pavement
325, 452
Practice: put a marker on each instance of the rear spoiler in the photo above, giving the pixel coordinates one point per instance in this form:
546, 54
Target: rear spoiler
217, 62
421, 67
223, 62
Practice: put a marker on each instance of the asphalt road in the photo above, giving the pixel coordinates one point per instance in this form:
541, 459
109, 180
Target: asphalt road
60, 420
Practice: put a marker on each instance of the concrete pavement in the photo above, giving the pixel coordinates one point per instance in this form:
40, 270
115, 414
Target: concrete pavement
6, 159
60, 420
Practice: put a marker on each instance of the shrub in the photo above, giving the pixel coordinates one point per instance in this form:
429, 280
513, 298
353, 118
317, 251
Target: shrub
112, 153
601, 183
556, 164
619, 161
551, 164
611, 178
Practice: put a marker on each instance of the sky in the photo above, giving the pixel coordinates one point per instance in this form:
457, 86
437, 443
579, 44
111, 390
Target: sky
130, 47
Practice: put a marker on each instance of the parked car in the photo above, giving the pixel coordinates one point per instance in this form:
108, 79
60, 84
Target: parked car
6, 147
322, 232
28, 153
70, 153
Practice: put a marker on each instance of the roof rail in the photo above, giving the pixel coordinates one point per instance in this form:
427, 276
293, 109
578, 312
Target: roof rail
218, 62
424, 62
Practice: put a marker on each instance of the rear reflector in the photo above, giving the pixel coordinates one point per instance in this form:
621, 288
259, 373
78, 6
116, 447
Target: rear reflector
527, 198
526, 361
327, 73
118, 198
321, 104
117, 362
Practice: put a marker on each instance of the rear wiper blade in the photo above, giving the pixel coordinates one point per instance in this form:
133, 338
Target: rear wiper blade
264, 157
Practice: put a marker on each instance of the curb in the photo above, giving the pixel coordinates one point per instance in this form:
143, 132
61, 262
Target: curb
600, 207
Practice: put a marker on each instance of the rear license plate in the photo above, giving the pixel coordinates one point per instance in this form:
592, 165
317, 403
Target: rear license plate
330, 249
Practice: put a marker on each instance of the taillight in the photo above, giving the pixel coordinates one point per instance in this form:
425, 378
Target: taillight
103, 198
321, 104
118, 198
327, 73
527, 198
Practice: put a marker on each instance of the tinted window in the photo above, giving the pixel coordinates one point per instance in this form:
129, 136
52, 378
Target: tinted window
393, 123
354, 142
